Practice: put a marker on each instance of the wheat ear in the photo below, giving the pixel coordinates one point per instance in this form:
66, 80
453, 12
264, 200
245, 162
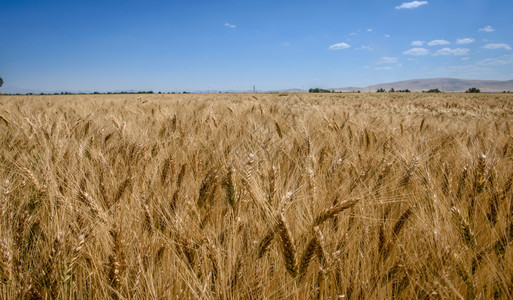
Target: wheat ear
464, 228
333, 211
39, 187
398, 226
263, 246
308, 253
288, 249
229, 188
49, 272
115, 261
122, 188
5, 262
76, 255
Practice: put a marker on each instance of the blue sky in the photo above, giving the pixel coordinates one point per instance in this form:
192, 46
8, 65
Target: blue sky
221, 45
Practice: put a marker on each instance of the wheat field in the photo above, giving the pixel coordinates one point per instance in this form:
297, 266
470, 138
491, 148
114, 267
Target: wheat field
256, 196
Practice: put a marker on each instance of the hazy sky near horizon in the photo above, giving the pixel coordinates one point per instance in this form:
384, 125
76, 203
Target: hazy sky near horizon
220, 45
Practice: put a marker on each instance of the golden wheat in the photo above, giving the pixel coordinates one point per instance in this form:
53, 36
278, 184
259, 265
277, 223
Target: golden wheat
265, 196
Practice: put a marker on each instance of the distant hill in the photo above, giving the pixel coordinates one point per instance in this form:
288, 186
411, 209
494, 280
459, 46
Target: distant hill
445, 84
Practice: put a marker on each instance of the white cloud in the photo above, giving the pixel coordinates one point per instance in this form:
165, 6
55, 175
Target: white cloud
339, 46
498, 61
369, 30
417, 43
363, 47
465, 41
465, 58
388, 60
417, 51
497, 46
449, 51
387, 35
487, 28
286, 44
413, 4
230, 25
438, 42
383, 68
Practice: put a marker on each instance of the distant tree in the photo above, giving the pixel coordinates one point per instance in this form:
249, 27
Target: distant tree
318, 90
391, 90
380, 90
1, 81
432, 91
473, 90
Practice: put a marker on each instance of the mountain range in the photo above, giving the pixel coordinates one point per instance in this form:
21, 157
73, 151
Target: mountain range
443, 84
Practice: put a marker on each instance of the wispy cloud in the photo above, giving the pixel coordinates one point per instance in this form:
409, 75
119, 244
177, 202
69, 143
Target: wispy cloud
465, 58
369, 30
417, 51
339, 46
230, 25
388, 60
438, 42
498, 61
449, 51
497, 46
487, 28
465, 41
383, 68
410, 5
364, 47
468, 70
417, 43
387, 35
